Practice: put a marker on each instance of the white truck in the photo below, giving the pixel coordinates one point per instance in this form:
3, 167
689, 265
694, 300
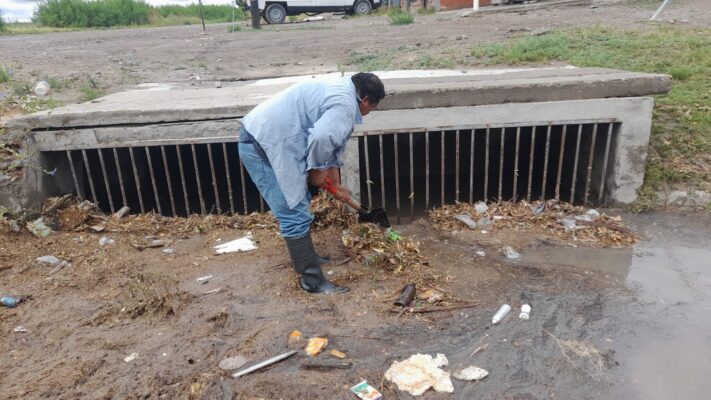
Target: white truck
275, 11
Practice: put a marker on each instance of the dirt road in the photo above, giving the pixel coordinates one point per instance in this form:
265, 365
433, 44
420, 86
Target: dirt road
116, 59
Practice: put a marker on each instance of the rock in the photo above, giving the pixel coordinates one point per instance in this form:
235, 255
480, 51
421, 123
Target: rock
41, 89
50, 260
471, 373
130, 357
540, 31
231, 363
466, 219
106, 241
510, 253
678, 198
701, 198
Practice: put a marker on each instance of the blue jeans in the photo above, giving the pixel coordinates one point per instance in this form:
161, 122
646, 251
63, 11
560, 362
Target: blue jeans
293, 222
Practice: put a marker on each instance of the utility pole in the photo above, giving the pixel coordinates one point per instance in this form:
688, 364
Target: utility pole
254, 8
202, 18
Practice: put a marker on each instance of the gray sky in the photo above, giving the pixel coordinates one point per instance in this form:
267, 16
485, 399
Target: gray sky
21, 10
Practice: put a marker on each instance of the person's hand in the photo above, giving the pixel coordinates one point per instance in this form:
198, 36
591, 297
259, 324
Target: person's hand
317, 177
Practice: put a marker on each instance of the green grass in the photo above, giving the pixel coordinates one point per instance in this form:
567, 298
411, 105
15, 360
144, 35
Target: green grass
373, 61
3, 27
681, 127
89, 93
426, 11
400, 17
4, 74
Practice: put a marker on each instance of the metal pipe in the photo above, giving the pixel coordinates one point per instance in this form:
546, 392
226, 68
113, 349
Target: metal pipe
530, 164
456, 167
197, 179
603, 177
368, 182
229, 179
120, 175
441, 169
486, 167
137, 181
382, 172
106, 180
397, 181
74, 176
471, 167
169, 180
590, 165
264, 363
575, 164
214, 178
182, 180
88, 173
244, 186
516, 169
545, 162
412, 181
427, 170
560, 163
501, 164
153, 180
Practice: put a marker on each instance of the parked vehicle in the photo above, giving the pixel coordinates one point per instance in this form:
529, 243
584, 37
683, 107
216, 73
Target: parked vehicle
275, 12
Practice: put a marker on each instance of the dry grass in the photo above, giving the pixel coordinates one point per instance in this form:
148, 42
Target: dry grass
582, 356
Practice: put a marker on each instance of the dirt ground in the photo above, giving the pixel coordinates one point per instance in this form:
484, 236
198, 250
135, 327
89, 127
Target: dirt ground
640, 312
116, 59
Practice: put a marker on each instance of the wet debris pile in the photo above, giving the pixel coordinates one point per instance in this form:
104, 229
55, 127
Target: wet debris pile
80, 216
367, 243
561, 220
154, 295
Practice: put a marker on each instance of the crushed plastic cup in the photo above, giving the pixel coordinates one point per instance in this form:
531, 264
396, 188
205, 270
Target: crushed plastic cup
525, 311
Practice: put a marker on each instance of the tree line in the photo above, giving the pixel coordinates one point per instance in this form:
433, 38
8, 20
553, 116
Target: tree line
108, 13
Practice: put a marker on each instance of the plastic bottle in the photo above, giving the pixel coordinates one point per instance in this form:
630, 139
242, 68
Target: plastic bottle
10, 302
525, 311
501, 314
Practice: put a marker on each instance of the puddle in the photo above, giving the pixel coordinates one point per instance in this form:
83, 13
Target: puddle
665, 346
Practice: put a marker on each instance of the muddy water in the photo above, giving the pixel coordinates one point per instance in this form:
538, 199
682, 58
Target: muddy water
662, 338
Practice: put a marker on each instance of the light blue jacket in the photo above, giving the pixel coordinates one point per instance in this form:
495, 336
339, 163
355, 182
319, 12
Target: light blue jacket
304, 127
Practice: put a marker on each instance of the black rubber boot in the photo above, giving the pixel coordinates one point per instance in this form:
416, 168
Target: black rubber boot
306, 262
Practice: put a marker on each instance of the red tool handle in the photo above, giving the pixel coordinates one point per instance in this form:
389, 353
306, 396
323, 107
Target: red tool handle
328, 185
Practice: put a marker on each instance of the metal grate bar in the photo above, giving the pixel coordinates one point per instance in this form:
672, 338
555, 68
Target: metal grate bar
368, 181
560, 163
153, 180
74, 175
575, 163
120, 176
397, 181
91, 180
545, 162
501, 164
382, 172
471, 167
603, 176
530, 164
456, 158
244, 186
427, 169
136, 180
516, 167
197, 178
486, 167
182, 180
441, 169
106, 180
168, 180
590, 165
229, 179
411, 196
214, 178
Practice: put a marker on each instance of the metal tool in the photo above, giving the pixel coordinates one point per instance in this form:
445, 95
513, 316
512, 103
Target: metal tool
264, 363
377, 215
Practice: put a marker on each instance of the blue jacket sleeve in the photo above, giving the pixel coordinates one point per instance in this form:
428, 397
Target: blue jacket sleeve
327, 139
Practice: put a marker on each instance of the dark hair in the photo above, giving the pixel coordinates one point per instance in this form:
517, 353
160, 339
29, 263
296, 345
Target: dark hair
369, 85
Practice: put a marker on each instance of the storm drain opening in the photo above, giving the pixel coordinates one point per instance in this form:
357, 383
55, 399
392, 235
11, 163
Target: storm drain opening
411, 172
172, 180
406, 172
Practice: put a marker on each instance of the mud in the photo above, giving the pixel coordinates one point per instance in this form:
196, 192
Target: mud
641, 311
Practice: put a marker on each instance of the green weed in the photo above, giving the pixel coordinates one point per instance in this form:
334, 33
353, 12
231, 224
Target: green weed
89, 93
426, 11
370, 61
232, 28
681, 126
4, 75
400, 17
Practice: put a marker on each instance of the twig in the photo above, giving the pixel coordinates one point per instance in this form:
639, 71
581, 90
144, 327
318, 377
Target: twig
431, 310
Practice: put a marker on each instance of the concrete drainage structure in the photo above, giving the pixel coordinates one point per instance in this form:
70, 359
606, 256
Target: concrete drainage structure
577, 135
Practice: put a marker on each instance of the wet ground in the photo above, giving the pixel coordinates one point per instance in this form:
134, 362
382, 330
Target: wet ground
606, 323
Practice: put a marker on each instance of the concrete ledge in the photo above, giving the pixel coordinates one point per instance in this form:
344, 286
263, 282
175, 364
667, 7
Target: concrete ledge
405, 90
